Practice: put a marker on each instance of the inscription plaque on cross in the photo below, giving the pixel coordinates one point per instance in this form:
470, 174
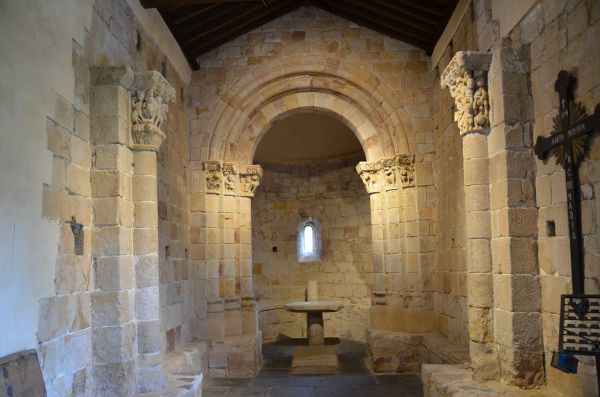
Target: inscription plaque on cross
568, 142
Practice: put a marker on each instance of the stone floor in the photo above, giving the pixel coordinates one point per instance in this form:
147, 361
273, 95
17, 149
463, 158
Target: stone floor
355, 379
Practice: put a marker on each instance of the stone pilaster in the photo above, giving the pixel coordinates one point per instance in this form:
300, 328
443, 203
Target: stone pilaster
229, 189
150, 95
113, 320
514, 219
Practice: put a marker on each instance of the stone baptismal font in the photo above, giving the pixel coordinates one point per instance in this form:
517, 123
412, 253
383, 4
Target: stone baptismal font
316, 358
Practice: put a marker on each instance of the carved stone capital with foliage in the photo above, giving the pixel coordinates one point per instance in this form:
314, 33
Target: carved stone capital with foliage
250, 179
466, 77
369, 173
150, 94
406, 169
230, 178
389, 168
213, 175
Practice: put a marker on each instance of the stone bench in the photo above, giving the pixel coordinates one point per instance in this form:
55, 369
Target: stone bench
21, 376
446, 380
396, 351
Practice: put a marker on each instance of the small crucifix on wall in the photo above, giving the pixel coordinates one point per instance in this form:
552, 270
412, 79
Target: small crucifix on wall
579, 314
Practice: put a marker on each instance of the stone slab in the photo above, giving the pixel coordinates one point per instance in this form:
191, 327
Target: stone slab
315, 360
314, 306
21, 376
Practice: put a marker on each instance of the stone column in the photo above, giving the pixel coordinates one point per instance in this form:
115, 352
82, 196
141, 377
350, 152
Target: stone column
249, 181
370, 175
113, 320
231, 250
213, 187
464, 73
150, 95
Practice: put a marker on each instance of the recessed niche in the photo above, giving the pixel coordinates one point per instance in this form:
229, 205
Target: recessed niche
77, 229
550, 228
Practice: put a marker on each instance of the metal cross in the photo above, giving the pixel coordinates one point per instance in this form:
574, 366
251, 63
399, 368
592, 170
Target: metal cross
568, 143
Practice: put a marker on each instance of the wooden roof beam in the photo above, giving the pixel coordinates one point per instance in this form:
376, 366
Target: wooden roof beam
419, 40
181, 3
403, 20
273, 12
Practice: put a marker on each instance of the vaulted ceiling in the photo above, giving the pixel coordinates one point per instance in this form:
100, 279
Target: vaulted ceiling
201, 25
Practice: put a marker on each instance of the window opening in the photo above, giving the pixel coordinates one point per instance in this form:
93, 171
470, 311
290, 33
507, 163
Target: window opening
309, 239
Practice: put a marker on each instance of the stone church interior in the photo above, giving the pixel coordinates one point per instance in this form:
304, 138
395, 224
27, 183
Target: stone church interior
300, 198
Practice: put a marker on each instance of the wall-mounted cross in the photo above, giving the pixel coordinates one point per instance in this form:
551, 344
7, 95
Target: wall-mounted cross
568, 142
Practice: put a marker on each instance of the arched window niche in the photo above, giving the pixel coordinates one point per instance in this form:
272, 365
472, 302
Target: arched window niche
309, 240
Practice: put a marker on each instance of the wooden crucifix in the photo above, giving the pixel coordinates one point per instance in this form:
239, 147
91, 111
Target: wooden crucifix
568, 142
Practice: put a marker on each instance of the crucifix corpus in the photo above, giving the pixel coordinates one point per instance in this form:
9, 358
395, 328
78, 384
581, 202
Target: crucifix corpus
568, 142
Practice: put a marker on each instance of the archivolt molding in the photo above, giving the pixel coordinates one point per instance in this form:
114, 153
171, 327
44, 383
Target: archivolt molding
293, 83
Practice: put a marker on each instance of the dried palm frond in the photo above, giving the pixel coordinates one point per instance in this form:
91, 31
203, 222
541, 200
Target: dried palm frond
578, 145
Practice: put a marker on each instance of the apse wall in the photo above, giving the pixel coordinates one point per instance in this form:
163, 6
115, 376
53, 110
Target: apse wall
332, 193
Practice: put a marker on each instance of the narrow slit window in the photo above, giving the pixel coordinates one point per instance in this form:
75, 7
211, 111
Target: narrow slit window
309, 239
309, 235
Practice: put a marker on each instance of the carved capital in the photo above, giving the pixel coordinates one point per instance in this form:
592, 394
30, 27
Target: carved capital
369, 173
150, 94
466, 77
213, 175
406, 169
230, 179
250, 179
389, 168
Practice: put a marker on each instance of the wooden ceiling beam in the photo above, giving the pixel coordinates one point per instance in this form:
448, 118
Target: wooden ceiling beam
180, 17
196, 26
233, 21
416, 39
416, 14
274, 11
402, 20
431, 7
180, 3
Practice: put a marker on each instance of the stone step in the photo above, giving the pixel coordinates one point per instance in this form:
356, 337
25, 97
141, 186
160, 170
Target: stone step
179, 386
185, 369
190, 359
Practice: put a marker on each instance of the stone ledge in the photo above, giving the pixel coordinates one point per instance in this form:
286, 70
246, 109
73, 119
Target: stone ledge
447, 352
442, 380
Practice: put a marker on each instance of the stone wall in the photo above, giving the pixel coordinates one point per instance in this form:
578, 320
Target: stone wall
70, 324
332, 192
561, 35
449, 278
